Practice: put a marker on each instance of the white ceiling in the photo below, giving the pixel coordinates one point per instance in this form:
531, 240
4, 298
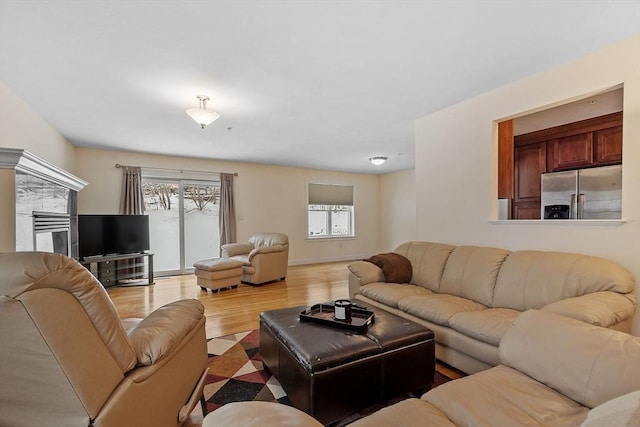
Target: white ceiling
317, 84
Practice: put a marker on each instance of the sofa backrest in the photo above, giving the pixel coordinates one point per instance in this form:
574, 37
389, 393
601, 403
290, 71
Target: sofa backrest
586, 363
533, 279
471, 272
259, 240
427, 260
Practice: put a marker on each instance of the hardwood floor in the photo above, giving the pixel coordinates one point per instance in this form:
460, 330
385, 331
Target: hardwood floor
237, 310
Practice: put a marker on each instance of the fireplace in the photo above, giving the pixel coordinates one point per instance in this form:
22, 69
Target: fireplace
52, 232
40, 213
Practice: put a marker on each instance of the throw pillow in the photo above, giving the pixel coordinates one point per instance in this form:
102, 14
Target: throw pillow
395, 267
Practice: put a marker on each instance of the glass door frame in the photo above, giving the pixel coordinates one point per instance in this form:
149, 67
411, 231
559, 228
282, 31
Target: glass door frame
181, 182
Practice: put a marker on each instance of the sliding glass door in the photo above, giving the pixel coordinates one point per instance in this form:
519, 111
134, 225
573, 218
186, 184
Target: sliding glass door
183, 222
201, 225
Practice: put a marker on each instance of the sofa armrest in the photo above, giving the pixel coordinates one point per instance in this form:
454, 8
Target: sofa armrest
362, 273
233, 249
266, 250
157, 334
598, 308
586, 363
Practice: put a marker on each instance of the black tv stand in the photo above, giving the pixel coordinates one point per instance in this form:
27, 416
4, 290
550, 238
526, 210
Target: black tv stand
121, 269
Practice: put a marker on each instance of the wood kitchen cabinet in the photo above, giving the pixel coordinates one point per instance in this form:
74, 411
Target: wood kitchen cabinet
584, 144
530, 161
572, 152
578, 145
526, 210
609, 146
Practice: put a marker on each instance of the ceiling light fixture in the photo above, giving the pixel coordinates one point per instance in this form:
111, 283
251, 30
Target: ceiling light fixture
377, 160
201, 115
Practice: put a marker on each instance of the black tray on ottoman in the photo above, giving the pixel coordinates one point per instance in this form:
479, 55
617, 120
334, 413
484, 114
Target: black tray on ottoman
324, 313
331, 373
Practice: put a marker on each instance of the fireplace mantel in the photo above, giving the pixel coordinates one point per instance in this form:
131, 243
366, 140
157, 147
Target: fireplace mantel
25, 162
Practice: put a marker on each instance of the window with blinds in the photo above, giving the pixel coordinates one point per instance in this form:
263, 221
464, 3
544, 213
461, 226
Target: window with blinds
330, 211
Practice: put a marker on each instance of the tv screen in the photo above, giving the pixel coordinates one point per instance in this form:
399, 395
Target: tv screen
112, 234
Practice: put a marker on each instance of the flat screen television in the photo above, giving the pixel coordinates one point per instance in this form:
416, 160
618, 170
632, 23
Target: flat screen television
112, 234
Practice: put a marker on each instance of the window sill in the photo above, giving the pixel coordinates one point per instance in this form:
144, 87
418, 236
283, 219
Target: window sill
325, 238
552, 222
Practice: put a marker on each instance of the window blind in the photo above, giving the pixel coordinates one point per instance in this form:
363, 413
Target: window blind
330, 194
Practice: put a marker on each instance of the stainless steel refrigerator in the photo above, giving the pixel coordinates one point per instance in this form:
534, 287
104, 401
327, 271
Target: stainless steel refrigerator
594, 193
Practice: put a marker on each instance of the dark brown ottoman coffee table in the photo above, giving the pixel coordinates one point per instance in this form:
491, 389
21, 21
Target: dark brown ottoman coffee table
331, 373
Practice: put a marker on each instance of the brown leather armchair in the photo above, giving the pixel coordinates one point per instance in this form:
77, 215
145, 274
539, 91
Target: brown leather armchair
265, 258
66, 359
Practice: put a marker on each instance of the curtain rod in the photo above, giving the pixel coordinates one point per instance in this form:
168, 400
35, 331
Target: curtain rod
118, 165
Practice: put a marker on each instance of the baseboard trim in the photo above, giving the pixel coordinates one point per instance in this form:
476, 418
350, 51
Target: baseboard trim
327, 259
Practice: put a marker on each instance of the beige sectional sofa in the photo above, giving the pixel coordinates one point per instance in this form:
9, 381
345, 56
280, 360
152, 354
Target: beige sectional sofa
470, 296
554, 371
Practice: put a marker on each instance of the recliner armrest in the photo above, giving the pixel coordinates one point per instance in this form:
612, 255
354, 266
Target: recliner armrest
157, 334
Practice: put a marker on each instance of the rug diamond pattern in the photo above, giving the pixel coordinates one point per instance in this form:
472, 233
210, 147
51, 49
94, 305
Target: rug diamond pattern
236, 372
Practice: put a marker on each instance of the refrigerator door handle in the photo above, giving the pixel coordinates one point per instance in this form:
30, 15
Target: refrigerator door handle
573, 210
580, 206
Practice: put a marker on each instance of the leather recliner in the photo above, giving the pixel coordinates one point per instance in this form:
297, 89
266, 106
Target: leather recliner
265, 257
66, 359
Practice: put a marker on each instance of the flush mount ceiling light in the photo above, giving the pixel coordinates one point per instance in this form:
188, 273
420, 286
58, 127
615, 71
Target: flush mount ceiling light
377, 160
201, 115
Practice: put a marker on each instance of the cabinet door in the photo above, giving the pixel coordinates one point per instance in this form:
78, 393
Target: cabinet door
526, 211
530, 163
609, 146
572, 152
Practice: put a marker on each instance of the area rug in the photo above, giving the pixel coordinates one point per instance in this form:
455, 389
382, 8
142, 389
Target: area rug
236, 373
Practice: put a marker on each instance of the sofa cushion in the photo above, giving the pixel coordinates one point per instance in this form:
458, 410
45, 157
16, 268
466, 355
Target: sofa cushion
437, 308
390, 293
488, 325
244, 259
268, 239
428, 261
396, 268
587, 363
406, 413
502, 396
533, 279
471, 273
623, 411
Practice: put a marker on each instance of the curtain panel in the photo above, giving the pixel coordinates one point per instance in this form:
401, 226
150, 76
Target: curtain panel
131, 198
132, 203
227, 210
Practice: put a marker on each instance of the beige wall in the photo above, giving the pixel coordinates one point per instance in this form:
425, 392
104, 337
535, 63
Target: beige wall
456, 156
268, 198
397, 209
21, 127
7, 210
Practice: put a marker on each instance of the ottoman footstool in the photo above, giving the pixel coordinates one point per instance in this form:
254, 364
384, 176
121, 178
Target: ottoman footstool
218, 273
332, 373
